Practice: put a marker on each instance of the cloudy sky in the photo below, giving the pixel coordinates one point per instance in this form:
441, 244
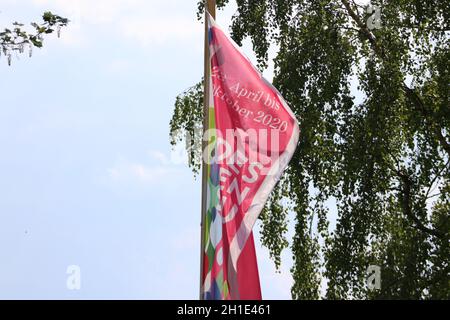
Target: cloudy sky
86, 172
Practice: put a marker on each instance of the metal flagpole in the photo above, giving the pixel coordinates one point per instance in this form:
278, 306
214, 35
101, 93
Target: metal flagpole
211, 8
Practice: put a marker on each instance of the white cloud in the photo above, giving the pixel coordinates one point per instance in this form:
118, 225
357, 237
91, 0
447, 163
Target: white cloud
92, 12
117, 66
138, 172
159, 156
187, 239
74, 37
130, 171
146, 22
149, 174
159, 30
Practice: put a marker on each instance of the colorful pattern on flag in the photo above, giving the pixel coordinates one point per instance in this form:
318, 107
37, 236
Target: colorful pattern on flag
248, 116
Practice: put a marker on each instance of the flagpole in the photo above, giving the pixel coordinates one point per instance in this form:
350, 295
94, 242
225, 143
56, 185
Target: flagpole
211, 8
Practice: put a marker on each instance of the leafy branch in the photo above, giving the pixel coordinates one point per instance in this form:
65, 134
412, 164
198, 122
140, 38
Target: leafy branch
17, 40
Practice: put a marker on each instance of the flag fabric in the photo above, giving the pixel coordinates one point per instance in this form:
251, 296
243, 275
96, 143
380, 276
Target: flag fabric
252, 136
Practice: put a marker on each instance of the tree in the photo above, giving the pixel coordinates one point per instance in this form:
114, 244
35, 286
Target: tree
18, 40
374, 110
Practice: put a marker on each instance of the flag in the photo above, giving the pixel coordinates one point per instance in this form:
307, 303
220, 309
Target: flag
251, 138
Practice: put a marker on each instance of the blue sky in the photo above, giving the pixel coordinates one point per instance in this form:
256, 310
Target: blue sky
86, 176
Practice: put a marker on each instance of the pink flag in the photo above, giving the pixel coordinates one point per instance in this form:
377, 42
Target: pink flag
251, 138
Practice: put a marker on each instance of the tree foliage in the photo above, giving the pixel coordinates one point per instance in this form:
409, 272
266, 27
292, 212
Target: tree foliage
374, 111
17, 40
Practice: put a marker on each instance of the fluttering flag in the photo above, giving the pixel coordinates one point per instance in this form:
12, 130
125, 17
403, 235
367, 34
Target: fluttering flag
252, 136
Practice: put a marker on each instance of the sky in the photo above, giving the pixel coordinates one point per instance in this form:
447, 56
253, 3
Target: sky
87, 176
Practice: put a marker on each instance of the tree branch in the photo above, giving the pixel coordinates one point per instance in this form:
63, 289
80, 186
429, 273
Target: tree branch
438, 175
416, 99
411, 93
407, 211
